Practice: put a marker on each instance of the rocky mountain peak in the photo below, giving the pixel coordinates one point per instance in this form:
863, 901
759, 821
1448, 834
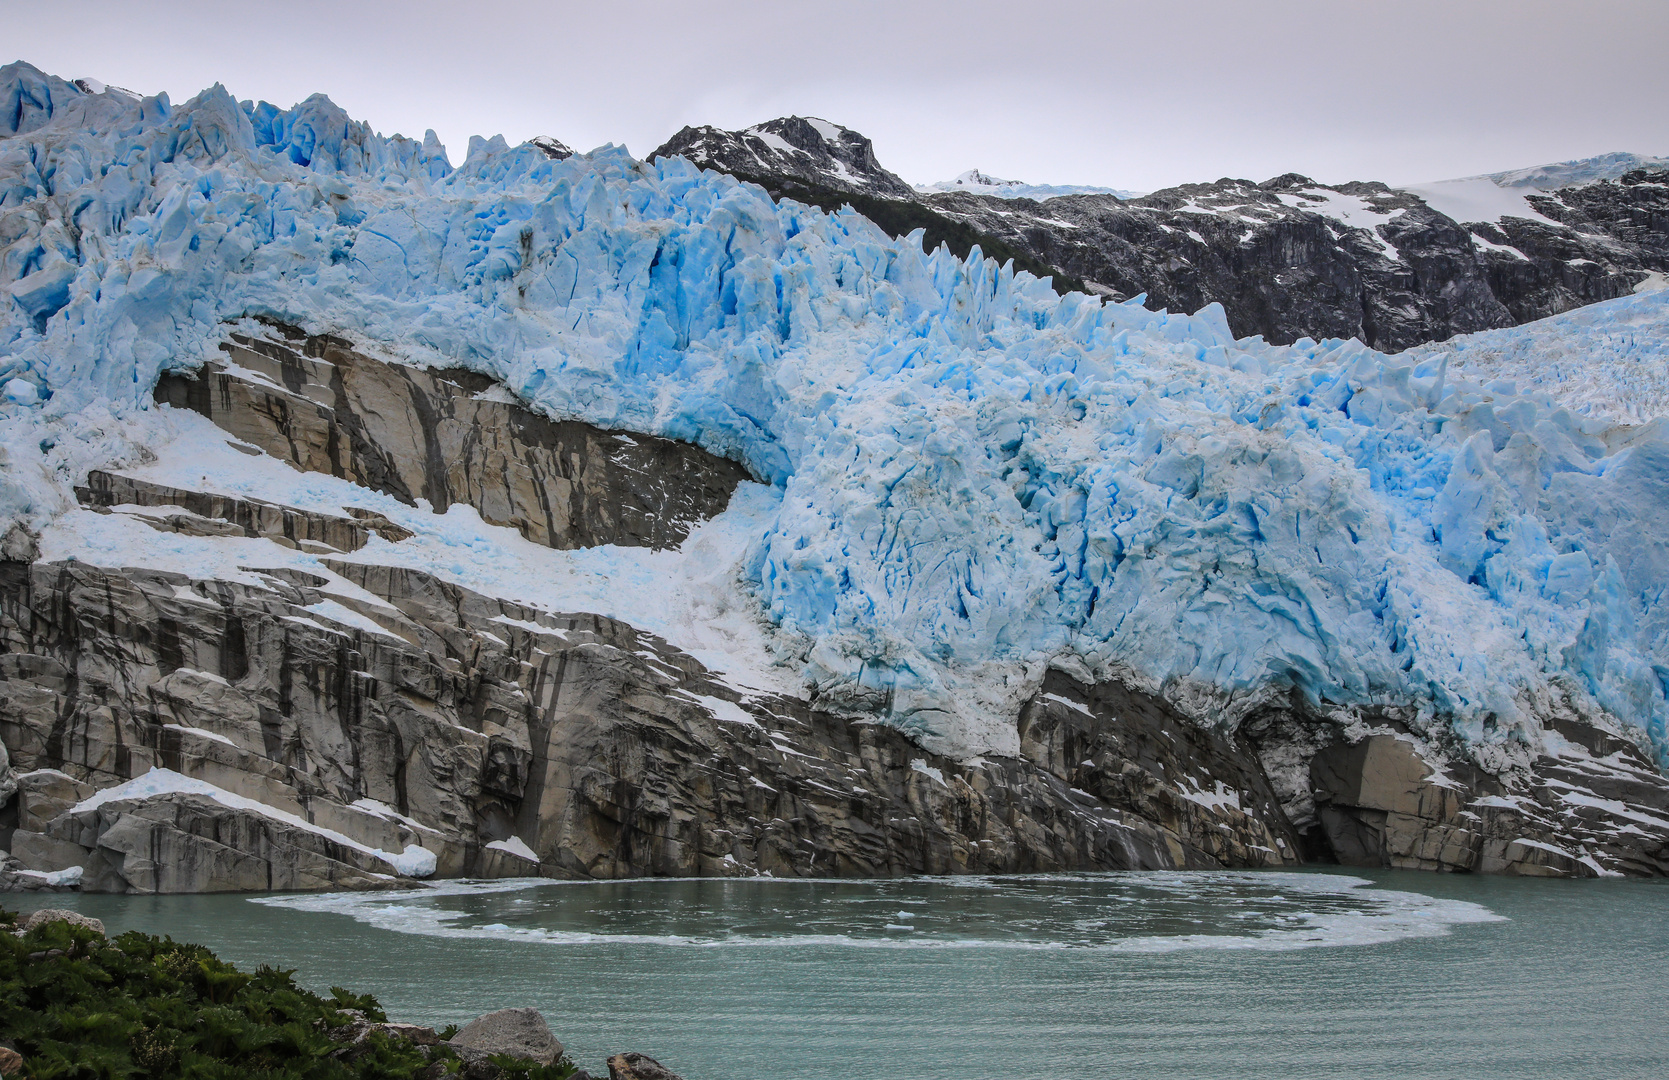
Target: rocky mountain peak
554, 149
808, 149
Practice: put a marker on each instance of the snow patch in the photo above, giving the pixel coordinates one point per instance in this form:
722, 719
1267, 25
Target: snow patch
414, 861
514, 846
920, 765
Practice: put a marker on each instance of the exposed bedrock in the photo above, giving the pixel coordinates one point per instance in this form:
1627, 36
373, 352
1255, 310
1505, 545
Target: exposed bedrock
469, 721
455, 436
1403, 275
197, 513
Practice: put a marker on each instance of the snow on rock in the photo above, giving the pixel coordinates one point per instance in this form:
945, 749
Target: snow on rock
1479, 199
974, 478
514, 846
414, 861
69, 876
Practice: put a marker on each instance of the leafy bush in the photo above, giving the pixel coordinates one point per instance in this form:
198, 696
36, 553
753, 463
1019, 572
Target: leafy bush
79, 1007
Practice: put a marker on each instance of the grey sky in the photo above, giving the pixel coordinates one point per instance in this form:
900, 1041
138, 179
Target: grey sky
1136, 95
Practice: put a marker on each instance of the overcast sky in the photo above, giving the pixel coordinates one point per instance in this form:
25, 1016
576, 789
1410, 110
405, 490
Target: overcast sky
1137, 95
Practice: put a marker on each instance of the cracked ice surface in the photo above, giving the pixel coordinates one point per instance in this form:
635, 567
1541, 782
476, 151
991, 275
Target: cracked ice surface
977, 478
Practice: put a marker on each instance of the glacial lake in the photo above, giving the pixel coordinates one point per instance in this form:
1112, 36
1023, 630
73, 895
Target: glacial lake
1068, 977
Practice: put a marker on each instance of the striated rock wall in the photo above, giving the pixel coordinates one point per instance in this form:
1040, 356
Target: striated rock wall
196, 513
471, 720
455, 437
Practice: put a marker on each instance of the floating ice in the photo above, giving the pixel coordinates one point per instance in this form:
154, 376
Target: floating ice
1127, 912
978, 479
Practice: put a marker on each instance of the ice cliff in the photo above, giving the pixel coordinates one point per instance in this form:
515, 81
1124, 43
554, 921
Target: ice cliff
979, 479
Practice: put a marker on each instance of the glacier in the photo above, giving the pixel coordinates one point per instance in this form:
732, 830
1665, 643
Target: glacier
976, 479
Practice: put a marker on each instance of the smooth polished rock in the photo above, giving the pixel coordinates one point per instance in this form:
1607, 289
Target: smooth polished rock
74, 918
519, 1033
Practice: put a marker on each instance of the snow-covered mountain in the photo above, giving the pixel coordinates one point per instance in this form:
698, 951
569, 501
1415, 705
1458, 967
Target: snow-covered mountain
425, 435
975, 182
553, 148
1290, 258
802, 148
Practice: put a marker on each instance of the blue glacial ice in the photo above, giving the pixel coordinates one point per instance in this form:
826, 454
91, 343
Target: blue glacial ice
979, 479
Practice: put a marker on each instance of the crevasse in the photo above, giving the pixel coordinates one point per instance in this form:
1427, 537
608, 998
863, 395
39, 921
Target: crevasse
979, 479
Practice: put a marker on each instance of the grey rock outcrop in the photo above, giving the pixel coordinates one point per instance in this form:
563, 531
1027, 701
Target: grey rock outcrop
810, 150
455, 437
8, 782
181, 843
1385, 799
19, 544
638, 1067
197, 513
517, 1033
74, 918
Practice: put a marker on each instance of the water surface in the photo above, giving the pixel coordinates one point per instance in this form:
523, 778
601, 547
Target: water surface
1181, 975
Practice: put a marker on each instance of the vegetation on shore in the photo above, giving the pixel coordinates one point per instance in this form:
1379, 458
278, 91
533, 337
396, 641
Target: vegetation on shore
78, 1006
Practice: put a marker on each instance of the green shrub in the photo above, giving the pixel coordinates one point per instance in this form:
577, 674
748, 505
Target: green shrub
79, 1007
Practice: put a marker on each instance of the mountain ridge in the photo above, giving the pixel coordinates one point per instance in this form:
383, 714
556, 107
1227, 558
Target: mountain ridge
1288, 258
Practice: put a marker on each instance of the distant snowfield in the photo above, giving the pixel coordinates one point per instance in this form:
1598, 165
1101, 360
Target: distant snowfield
970, 479
1480, 199
975, 182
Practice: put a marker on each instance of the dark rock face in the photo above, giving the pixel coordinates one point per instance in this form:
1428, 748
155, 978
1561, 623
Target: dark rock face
554, 149
814, 151
416, 434
1287, 258
1607, 230
1400, 274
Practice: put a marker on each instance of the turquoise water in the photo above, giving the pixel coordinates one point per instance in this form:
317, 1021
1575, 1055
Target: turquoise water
1063, 976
